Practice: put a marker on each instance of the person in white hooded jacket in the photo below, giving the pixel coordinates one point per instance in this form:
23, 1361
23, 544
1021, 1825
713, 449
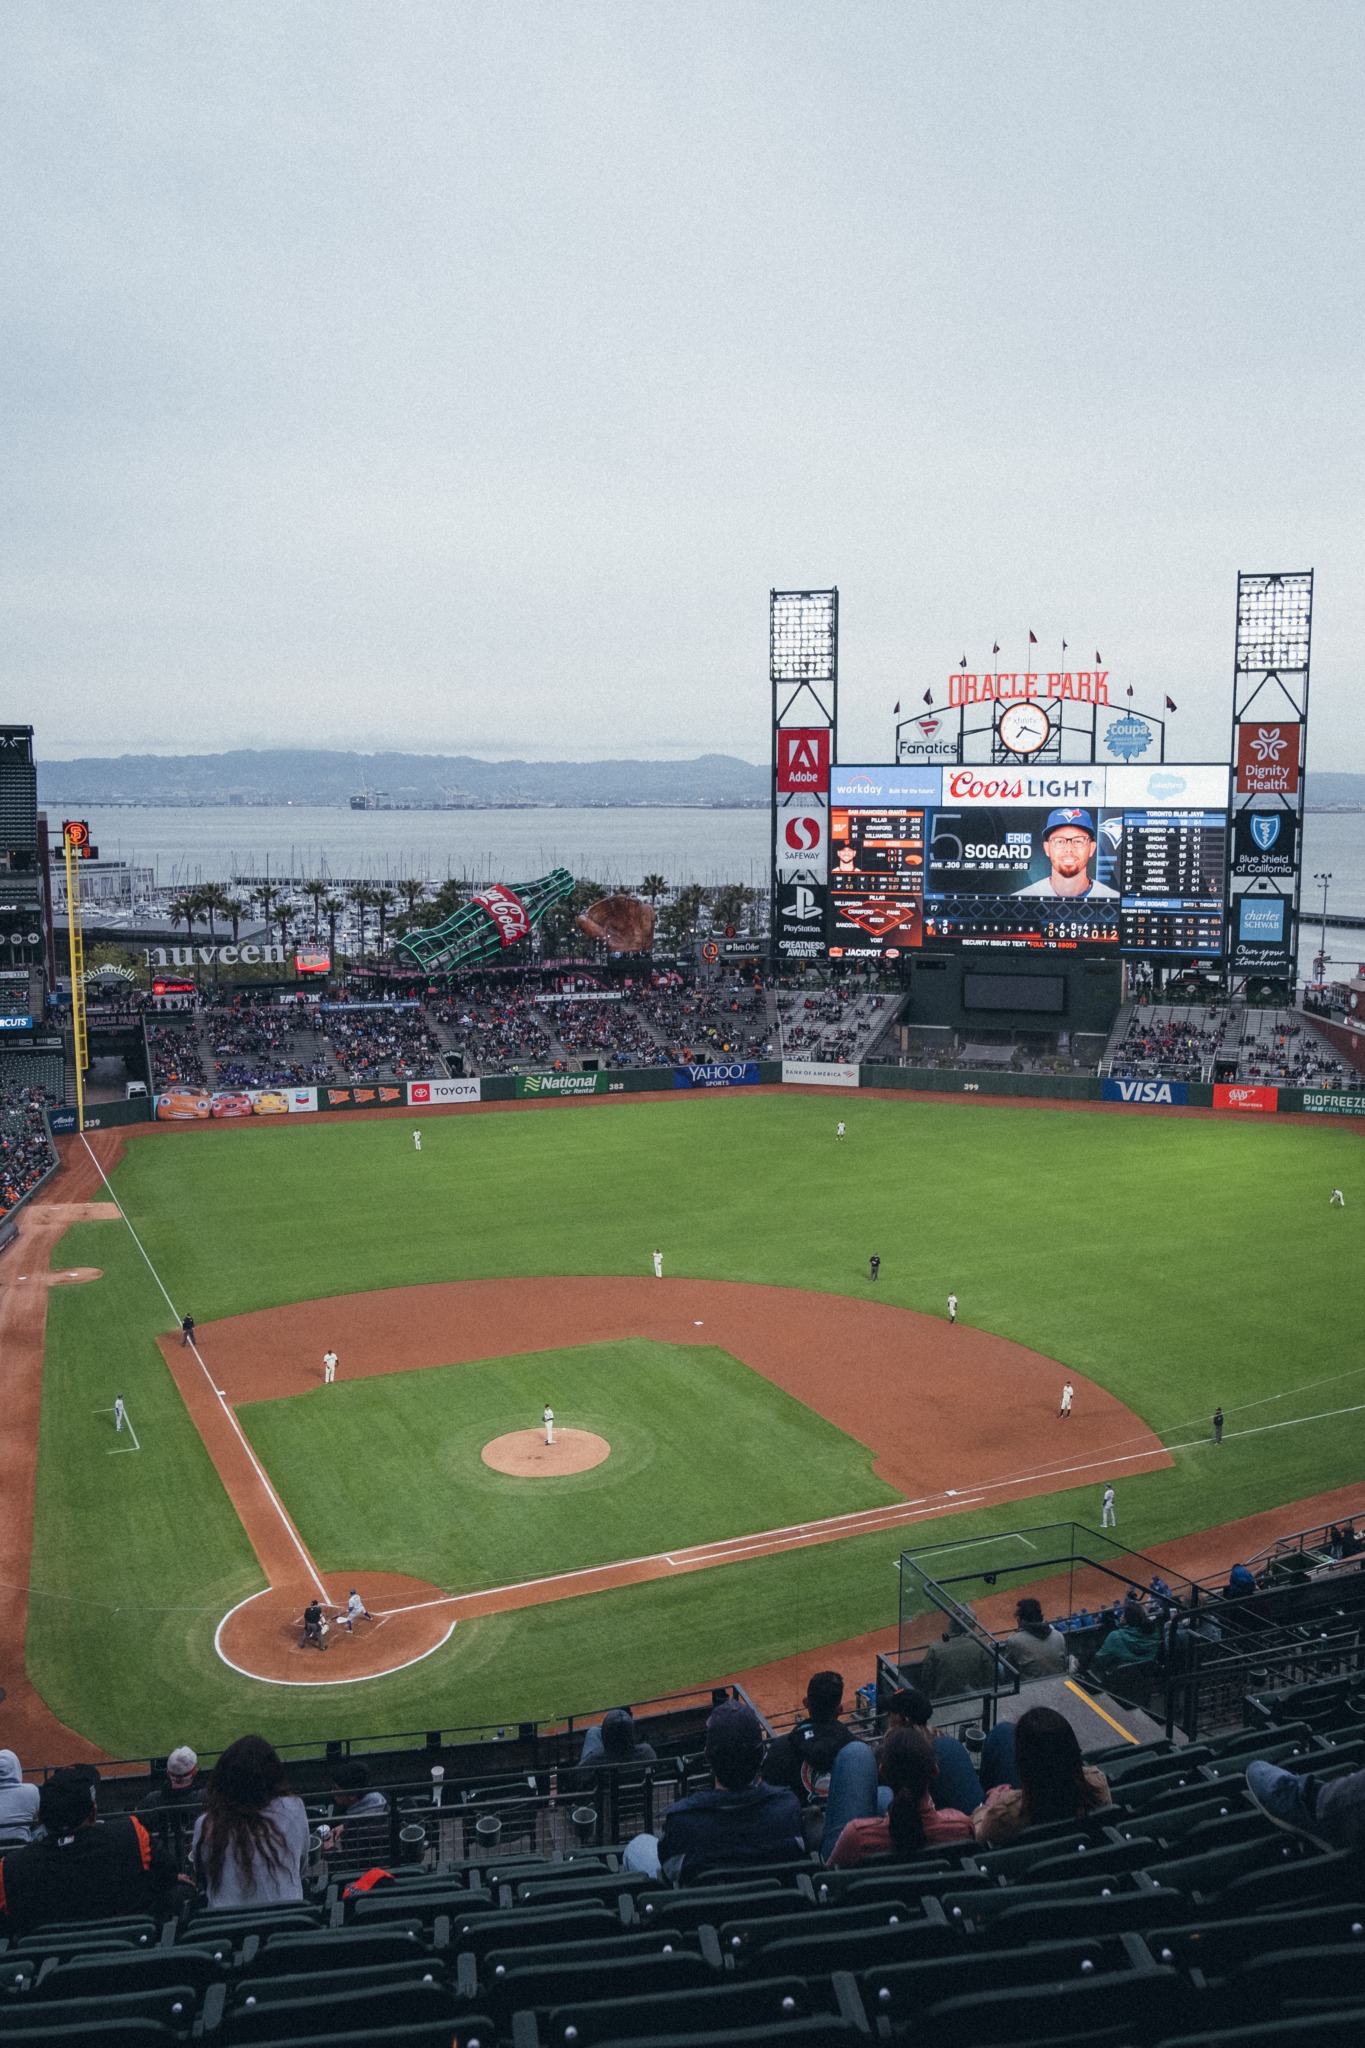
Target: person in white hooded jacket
18, 1803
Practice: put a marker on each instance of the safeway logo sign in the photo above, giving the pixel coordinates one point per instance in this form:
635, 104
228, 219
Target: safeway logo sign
802, 840
1267, 759
802, 759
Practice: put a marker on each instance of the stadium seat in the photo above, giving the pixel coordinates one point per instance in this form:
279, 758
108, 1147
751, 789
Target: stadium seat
819, 2031
416, 1903
139, 1928
1096, 1859
694, 1906
89, 1976
1133, 2003
173, 2006
1028, 1918
540, 1986
316, 1983
604, 1888
1217, 1946
337, 2012
1207, 1875
484, 1932
1290, 1980
1331, 2028
741, 1937
864, 1948
1338, 1874
900, 1993
339, 1948
776, 2002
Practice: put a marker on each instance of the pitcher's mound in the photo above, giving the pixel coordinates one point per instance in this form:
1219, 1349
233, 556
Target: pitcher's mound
526, 1455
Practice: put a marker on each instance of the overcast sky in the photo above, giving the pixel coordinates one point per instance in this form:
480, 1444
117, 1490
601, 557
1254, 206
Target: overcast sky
461, 377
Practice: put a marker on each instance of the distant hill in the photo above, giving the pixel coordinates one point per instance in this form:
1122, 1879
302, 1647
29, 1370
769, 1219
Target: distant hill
301, 776
1324, 790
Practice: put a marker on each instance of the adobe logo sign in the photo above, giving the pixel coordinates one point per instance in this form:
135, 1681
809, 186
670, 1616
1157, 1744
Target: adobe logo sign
1267, 759
802, 759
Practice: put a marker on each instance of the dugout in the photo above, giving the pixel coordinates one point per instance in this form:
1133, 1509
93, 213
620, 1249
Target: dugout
1040, 994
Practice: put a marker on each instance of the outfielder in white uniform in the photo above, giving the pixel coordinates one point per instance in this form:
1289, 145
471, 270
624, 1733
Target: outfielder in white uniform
548, 1418
1108, 1519
952, 1308
658, 1265
119, 1413
1064, 1412
329, 1367
417, 1141
839, 1132
1336, 1196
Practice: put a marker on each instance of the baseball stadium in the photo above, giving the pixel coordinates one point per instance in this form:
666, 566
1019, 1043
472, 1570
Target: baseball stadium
590, 1390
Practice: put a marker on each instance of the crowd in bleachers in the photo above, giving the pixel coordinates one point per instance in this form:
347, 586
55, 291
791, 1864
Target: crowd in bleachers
492, 1029
1277, 1047
177, 1061
831, 1024
1174, 1041
383, 1045
707, 1021
26, 1149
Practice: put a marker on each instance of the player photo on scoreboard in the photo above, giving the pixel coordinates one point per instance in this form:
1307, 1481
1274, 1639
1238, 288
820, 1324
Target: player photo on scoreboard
1065, 855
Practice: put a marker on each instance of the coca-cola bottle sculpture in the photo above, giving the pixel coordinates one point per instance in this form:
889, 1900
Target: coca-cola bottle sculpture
491, 921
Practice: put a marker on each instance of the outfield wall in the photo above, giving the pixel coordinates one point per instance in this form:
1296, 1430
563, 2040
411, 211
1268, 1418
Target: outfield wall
1256, 1099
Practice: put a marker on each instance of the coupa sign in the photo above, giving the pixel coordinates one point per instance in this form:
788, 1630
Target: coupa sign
717, 1074
247, 955
1168, 1092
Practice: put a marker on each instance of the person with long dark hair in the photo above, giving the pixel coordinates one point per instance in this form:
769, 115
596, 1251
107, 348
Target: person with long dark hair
912, 1825
1054, 1783
250, 1843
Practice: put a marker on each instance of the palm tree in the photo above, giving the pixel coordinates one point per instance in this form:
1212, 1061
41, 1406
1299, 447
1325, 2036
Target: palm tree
654, 886
184, 908
236, 911
383, 900
314, 891
360, 896
680, 918
284, 918
412, 891
213, 902
263, 896
332, 907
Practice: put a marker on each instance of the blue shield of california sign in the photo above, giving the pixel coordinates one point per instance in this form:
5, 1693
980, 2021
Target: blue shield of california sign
1265, 830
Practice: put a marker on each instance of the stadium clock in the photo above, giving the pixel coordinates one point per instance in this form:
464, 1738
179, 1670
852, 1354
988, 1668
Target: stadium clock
1024, 728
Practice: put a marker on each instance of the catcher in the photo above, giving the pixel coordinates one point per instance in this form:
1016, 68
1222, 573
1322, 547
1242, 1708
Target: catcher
623, 923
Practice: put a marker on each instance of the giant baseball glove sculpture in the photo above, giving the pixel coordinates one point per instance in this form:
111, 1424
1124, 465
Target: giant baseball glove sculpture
622, 922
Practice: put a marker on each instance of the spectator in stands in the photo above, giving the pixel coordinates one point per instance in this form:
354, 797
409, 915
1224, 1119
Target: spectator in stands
1054, 1784
251, 1841
18, 1803
82, 1868
181, 1788
957, 1663
1332, 1814
1126, 1659
957, 1783
614, 1742
1035, 1649
362, 1809
910, 1822
1240, 1581
803, 1760
742, 1820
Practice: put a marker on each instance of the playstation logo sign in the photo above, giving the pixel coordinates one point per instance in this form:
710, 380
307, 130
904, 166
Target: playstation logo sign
799, 924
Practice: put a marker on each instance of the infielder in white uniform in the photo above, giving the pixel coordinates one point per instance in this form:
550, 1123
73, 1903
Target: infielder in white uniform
119, 1412
548, 1418
952, 1308
329, 1367
658, 1265
1108, 1519
1064, 1412
1336, 1196
417, 1141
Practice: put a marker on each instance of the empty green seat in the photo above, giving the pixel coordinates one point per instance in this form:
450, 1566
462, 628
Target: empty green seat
487, 1931
698, 1906
341, 2011
540, 1986
173, 2006
900, 1992
339, 1948
1218, 1946
1135, 2003
87, 1976
778, 2003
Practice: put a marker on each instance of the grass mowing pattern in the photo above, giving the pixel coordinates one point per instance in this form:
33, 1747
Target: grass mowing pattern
701, 1447
1180, 1262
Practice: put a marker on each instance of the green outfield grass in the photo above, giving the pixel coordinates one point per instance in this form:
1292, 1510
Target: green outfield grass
752, 1458
1180, 1262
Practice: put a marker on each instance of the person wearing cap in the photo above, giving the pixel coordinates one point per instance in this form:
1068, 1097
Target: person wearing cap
82, 1868
181, 1785
614, 1742
740, 1820
1069, 843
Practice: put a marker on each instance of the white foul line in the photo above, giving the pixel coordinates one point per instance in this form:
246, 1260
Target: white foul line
122, 1449
256, 1466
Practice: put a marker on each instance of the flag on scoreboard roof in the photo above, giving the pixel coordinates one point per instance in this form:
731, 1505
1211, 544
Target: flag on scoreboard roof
1032, 637
898, 707
963, 662
1099, 659
996, 648
1170, 704
929, 697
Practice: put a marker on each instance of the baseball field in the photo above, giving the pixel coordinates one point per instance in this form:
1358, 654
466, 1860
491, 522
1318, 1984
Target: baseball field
1165, 1264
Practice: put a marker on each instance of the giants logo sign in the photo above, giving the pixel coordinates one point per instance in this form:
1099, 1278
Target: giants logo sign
507, 911
1267, 759
802, 842
802, 759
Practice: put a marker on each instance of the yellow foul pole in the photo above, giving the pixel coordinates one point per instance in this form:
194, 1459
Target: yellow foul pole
76, 945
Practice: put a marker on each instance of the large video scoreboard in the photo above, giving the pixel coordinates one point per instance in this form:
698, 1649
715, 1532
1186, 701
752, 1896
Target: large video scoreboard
1118, 860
